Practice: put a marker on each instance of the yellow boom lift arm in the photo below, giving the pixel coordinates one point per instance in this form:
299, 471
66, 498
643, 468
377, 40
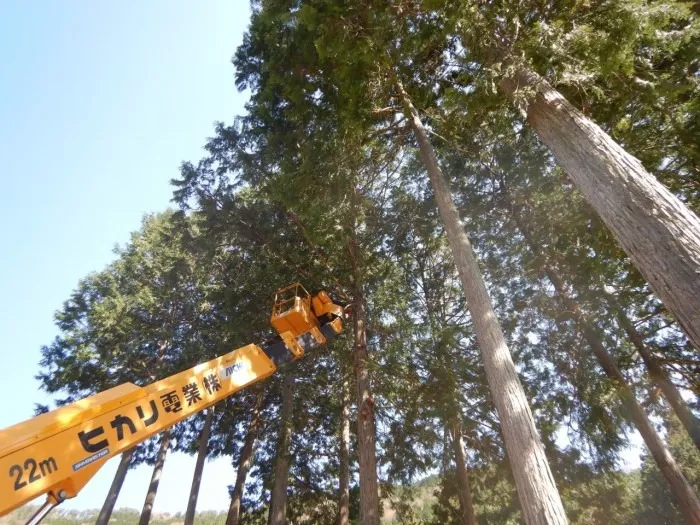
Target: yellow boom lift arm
57, 453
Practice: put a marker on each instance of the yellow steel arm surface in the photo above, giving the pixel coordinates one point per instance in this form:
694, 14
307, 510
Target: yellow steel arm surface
60, 451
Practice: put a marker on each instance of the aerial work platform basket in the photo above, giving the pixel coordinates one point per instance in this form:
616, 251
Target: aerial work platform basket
291, 311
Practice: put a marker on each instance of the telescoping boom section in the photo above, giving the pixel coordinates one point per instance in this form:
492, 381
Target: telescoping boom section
57, 453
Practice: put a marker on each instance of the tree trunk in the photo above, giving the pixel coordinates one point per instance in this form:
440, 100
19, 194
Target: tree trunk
155, 479
113, 494
366, 431
199, 467
344, 456
234, 511
466, 506
680, 488
658, 375
538, 494
445, 450
278, 498
658, 232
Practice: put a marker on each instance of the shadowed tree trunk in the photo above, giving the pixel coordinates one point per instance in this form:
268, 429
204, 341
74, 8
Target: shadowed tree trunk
658, 232
680, 488
164, 443
467, 516
199, 467
278, 497
366, 427
115, 488
344, 456
234, 511
538, 494
155, 478
445, 450
366, 431
658, 374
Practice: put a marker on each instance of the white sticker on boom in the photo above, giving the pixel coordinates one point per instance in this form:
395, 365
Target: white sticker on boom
239, 372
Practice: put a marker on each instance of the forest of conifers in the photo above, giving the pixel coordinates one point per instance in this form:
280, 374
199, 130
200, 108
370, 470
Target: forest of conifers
505, 192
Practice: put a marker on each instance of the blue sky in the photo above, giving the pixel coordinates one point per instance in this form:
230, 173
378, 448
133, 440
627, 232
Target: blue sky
99, 104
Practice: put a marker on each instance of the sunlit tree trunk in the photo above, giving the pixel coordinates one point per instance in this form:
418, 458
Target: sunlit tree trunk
658, 232
278, 497
199, 467
538, 494
113, 494
155, 478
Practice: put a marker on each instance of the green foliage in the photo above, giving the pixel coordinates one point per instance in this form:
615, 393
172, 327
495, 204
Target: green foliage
606, 498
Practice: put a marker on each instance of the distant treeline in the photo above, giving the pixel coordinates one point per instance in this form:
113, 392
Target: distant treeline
119, 517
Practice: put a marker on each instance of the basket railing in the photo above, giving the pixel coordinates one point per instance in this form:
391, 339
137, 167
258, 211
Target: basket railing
285, 298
